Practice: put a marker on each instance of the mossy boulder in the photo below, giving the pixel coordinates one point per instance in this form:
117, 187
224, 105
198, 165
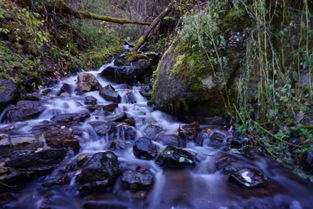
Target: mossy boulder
197, 76
187, 86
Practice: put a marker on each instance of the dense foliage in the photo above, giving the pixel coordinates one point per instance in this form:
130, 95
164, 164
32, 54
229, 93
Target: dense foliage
276, 68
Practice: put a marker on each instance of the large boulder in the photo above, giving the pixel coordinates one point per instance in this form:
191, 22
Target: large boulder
24, 110
87, 82
8, 93
192, 77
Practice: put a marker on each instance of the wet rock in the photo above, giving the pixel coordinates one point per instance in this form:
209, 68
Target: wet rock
114, 131
44, 158
152, 131
106, 108
217, 139
308, 161
8, 93
56, 136
202, 137
173, 157
56, 180
102, 128
129, 98
145, 149
96, 186
102, 167
138, 70
119, 117
24, 110
110, 107
66, 88
130, 121
10, 143
248, 177
90, 100
171, 139
239, 141
109, 93
189, 132
70, 118
118, 145
140, 179
87, 82
125, 131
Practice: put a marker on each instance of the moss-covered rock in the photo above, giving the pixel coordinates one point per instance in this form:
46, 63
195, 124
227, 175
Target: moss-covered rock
197, 76
186, 85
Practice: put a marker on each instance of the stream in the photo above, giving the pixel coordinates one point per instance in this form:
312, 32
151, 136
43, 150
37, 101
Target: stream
133, 156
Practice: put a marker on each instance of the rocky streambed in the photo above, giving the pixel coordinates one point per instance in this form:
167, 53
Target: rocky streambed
92, 141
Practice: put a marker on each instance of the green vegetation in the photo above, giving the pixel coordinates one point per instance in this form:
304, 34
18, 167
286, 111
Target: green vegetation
275, 56
36, 45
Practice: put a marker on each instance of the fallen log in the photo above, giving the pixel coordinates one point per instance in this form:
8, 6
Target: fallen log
155, 22
62, 7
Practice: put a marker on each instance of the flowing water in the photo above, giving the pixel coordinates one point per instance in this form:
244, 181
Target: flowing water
204, 186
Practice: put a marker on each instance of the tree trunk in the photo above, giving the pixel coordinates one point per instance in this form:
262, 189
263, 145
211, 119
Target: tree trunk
155, 22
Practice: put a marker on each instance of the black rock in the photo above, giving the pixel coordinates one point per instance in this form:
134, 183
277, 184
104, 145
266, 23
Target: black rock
308, 160
152, 131
119, 117
24, 110
248, 177
96, 186
8, 93
39, 159
70, 118
66, 88
102, 166
109, 93
145, 149
138, 70
239, 141
115, 131
56, 180
173, 157
141, 179
90, 100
